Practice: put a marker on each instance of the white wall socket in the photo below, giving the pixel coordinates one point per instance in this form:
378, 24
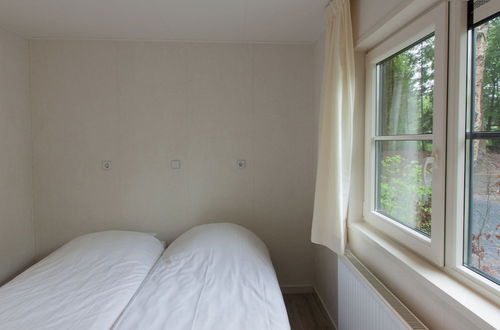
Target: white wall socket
241, 163
106, 165
175, 164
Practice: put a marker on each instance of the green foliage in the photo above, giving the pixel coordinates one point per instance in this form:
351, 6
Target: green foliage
406, 83
403, 193
407, 90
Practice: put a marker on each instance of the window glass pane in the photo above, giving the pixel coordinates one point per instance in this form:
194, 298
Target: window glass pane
487, 76
405, 90
482, 228
484, 214
404, 182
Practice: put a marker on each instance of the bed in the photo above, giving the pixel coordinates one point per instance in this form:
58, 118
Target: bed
85, 284
216, 276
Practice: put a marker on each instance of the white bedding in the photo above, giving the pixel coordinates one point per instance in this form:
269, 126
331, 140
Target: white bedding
85, 284
216, 276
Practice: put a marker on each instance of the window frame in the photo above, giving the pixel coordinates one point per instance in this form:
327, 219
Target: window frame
458, 105
430, 22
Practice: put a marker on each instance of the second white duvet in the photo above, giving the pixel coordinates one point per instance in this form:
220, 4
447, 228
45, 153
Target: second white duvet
216, 276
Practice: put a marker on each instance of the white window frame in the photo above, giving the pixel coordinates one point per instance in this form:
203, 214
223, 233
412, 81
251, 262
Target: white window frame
433, 21
456, 149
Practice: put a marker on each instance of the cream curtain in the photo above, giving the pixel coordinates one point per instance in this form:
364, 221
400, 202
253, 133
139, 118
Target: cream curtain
335, 131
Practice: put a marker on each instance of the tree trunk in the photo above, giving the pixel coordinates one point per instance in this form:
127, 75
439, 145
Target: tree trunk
481, 47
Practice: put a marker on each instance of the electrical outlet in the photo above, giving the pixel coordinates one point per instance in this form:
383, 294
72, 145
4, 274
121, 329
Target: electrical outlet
106, 165
175, 164
241, 163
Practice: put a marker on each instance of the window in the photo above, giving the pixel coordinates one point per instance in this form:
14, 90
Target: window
405, 138
432, 140
482, 212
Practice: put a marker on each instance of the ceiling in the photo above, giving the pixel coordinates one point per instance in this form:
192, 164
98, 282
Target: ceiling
190, 20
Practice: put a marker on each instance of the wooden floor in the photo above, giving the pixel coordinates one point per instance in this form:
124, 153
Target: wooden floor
306, 312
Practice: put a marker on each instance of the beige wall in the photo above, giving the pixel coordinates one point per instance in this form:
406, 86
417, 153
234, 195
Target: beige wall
16, 223
368, 15
142, 104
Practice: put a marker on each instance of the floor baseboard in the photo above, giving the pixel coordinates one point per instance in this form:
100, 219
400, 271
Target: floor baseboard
324, 307
297, 289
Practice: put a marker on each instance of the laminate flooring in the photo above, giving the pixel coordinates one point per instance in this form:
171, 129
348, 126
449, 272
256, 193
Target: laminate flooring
306, 312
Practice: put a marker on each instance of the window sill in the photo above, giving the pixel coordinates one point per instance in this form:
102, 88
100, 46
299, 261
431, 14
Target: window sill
478, 309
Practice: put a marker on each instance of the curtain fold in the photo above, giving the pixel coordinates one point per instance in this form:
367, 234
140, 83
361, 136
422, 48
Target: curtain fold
335, 131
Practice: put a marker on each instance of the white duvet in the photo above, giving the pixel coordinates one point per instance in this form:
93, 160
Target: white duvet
216, 276
85, 284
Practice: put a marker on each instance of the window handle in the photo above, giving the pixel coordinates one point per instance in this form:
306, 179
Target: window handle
427, 177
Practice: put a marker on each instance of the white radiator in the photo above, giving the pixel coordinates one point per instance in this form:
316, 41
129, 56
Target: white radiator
366, 304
